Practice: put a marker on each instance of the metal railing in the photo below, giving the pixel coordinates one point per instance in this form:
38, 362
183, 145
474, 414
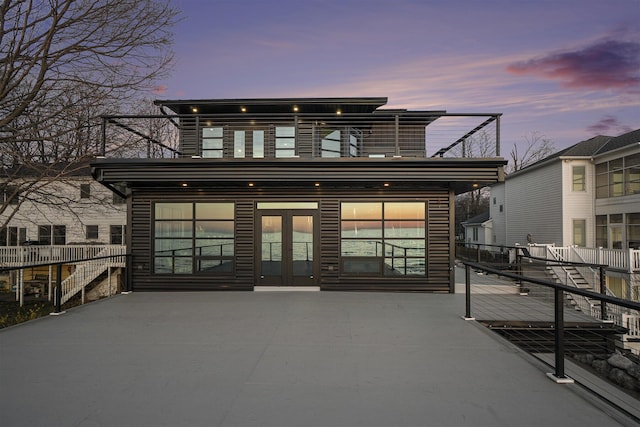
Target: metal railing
381, 134
524, 310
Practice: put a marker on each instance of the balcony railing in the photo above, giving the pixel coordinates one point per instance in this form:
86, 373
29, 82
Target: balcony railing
385, 134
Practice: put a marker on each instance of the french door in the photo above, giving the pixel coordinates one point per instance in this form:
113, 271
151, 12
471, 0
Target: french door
286, 249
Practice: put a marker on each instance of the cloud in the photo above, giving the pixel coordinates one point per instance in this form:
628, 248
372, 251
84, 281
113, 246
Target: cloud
605, 64
608, 124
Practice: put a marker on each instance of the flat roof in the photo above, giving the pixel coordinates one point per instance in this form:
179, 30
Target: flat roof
277, 359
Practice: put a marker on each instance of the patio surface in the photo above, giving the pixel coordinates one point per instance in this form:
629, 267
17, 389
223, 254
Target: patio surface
277, 359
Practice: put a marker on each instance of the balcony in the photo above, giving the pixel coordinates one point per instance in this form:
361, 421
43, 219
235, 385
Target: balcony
318, 134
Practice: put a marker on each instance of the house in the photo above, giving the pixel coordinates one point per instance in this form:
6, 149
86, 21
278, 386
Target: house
63, 211
328, 193
479, 229
587, 195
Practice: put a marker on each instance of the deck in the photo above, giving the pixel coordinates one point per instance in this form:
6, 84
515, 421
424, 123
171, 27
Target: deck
278, 359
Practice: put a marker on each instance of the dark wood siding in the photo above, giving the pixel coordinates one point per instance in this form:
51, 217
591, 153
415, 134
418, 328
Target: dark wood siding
439, 235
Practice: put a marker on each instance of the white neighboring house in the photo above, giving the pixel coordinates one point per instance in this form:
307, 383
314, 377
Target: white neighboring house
478, 229
83, 212
586, 195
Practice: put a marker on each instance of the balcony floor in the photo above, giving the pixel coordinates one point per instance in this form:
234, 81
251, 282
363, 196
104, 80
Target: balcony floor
277, 359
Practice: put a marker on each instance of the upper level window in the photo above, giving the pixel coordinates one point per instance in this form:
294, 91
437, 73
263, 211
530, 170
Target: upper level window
285, 141
212, 144
238, 144
85, 191
330, 144
619, 177
11, 195
579, 178
258, 144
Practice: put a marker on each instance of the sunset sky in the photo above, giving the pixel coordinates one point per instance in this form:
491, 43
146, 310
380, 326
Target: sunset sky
568, 69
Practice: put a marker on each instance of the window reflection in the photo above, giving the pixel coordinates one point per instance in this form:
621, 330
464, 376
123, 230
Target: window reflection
389, 244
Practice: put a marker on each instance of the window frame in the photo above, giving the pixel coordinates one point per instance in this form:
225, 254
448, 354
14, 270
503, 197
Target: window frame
191, 258
385, 243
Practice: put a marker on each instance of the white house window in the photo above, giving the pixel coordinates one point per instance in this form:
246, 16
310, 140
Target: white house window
580, 232
91, 232
475, 234
85, 191
579, 178
59, 234
116, 234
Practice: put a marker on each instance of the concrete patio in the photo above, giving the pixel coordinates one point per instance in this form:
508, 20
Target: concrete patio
278, 359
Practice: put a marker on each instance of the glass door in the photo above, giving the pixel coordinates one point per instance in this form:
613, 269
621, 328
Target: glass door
286, 255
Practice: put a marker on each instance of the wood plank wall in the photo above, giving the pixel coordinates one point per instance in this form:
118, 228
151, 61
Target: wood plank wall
439, 238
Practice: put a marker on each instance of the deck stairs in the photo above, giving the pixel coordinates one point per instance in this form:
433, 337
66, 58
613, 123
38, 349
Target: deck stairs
86, 272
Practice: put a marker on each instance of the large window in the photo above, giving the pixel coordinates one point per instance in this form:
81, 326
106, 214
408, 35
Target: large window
383, 238
194, 238
619, 177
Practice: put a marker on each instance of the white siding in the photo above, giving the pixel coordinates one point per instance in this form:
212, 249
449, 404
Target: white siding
577, 204
533, 203
76, 213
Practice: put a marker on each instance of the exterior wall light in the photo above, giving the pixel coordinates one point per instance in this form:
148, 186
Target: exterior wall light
194, 109
243, 109
184, 184
251, 184
386, 184
317, 184
295, 108
338, 113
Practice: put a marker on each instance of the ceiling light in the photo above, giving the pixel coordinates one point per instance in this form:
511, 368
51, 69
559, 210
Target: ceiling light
338, 112
243, 109
184, 184
295, 108
317, 184
386, 184
251, 184
194, 109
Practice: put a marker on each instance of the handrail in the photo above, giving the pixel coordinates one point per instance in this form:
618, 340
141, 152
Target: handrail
558, 306
58, 266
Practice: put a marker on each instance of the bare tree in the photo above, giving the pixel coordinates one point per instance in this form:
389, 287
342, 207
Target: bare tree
63, 64
474, 202
536, 147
